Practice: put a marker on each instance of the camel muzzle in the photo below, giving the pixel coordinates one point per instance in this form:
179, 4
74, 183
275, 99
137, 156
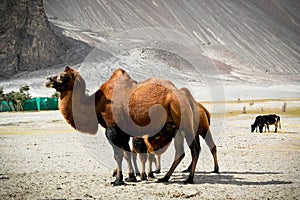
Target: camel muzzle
50, 81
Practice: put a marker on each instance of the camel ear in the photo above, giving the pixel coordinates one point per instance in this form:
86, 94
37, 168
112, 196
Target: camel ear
67, 68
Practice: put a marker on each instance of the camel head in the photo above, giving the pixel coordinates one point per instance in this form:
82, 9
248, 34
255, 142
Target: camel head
65, 81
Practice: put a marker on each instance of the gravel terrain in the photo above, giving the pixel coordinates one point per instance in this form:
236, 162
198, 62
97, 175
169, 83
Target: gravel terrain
43, 158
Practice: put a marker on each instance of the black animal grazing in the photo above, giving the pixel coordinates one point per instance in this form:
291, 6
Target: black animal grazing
256, 123
262, 121
267, 120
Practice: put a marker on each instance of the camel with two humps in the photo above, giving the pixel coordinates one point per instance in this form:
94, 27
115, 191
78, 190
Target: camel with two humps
122, 106
149, 145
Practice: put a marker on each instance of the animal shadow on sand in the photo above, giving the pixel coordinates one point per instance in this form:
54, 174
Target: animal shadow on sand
231, 178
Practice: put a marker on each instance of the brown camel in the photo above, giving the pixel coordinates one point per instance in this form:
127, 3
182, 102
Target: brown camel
124, 108
203, 126
148, 146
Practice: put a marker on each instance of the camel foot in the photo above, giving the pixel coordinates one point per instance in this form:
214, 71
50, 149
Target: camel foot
131, 178
216, 170
186, 170
144, 177
118, 183
151, 175
157, 171
163, 180
189, 181
138, 174
114, 173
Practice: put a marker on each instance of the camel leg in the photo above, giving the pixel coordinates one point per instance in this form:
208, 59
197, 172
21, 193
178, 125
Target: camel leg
195, 151
136, 169
120, 142
150, 158
118, 155
213, 149
214, 153
157, 164
127, 156
111, 134
143, 159
179, 155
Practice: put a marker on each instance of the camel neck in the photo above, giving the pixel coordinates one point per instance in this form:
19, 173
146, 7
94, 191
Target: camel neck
65, 94
79, 110
65, 106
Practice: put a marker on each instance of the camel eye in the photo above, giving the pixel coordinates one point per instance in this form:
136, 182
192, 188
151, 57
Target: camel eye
64, 78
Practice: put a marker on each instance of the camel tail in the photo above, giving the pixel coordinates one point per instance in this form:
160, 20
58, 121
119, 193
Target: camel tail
206, 112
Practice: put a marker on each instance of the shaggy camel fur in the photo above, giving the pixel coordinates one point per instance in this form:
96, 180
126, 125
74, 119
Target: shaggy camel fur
149, 146
124, 107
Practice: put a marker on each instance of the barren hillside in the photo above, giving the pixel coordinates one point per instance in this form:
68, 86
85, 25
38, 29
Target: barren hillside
202, 43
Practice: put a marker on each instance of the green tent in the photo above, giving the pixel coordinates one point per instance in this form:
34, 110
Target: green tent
41, 103
4, 107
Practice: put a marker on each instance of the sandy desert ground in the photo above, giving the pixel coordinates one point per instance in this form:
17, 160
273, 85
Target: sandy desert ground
43, 158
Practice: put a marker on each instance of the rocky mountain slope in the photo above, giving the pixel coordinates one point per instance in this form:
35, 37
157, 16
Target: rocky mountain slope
262, 35
195, 43
28, 43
